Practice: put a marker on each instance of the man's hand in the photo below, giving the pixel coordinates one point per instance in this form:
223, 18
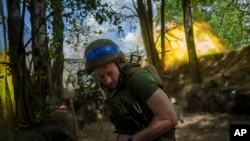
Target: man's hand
123, 137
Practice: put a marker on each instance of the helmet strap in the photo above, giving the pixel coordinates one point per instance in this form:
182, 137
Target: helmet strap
120, 72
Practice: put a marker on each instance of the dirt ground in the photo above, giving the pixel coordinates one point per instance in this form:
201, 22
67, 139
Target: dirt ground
196, 127
208, 108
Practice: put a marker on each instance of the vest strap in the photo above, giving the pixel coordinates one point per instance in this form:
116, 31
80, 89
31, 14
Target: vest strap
131, 70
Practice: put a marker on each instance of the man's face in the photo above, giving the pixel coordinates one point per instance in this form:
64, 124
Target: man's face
108, 74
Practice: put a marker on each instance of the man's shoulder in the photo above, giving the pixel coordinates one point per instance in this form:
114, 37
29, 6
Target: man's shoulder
130, 69
136, 72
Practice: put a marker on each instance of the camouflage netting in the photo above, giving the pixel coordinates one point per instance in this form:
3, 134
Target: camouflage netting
6, 133
57, 126
29, 136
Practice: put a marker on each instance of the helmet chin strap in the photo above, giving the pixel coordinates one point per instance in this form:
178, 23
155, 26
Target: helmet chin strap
120, 73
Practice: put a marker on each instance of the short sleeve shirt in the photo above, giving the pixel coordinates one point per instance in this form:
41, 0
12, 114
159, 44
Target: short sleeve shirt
143, 84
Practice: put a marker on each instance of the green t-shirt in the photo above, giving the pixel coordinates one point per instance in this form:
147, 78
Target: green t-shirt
143, 84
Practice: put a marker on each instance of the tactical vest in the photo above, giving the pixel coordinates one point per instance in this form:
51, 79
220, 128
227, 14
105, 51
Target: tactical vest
127, 113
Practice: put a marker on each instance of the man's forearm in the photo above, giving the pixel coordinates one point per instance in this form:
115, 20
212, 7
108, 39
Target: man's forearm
155, 129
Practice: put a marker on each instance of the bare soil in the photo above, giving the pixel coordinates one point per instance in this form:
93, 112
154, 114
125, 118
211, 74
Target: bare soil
196, 127
207, 109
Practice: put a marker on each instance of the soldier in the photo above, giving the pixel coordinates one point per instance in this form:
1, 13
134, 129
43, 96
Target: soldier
139, 108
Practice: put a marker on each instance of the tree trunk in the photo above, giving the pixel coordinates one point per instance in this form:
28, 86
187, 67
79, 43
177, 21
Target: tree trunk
18, 62
163, 53
145, 15
58, 63
188, 25
40, 55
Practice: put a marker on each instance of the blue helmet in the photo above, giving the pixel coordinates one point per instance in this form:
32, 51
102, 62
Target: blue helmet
100, 52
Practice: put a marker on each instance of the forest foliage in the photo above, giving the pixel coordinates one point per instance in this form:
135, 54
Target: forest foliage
228, 21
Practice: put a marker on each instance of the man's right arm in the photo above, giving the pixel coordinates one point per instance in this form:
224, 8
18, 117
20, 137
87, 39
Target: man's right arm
164, 117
